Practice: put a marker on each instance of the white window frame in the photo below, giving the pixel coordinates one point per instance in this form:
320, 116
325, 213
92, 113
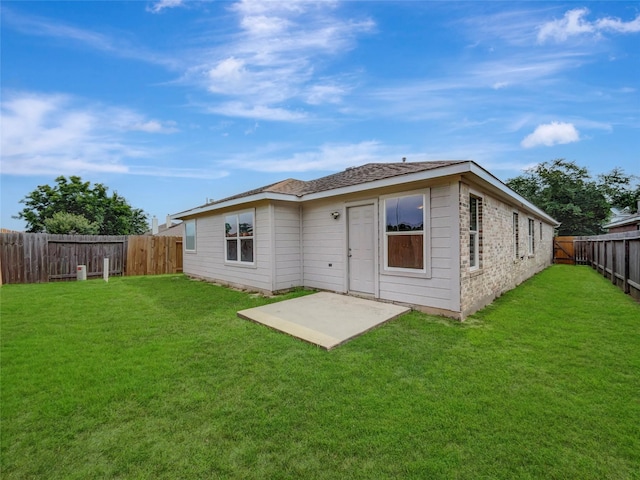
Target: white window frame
239, 238
531, 240
187, 224
516, 235
541, 231
426, 263
474, 235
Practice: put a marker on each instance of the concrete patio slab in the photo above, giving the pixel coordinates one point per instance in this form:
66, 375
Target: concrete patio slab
324, 319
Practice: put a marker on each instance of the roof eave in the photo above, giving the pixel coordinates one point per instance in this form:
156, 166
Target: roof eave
621, 223
523, 202
234, 203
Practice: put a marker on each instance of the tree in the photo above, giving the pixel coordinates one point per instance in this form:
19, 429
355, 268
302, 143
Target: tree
618, 189
567, 193
69, 223
109, 214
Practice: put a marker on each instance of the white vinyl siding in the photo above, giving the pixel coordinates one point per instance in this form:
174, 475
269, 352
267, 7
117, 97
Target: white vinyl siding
323, 240
209, 261
288, 255
324, 243
436, 289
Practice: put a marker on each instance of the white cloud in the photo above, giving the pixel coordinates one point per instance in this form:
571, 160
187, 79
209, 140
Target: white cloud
326, 157
500, 85
550, 134
160, 5
515, 27
154, 126
320, 94
617, 25
257, 112
523, 69
58, 134
575, 23
273, 60
40, 26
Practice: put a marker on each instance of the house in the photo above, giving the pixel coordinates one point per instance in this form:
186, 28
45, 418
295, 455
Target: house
446, 237
168, 229
624, 221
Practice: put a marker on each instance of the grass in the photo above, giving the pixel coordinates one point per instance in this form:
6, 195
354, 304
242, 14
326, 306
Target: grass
156, 377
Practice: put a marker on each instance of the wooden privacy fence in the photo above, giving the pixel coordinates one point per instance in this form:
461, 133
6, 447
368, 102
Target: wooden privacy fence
615, 255
40, 257
148, 255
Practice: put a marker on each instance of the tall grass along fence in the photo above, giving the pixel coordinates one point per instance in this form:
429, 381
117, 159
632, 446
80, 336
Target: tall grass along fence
40, 257
615, 255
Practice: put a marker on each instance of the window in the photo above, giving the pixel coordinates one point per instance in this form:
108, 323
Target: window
531, 242
239, 237
190, 235
404, 220
516, 235
475, 229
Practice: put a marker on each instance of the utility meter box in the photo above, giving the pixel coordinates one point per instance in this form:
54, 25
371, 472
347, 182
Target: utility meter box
82, 272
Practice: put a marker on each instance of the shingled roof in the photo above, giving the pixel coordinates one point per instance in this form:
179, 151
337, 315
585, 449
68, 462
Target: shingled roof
351, 176
357, 178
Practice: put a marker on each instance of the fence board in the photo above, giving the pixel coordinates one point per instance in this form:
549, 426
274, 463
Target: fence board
12, 258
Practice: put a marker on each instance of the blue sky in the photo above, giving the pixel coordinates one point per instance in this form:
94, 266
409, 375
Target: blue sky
172, 102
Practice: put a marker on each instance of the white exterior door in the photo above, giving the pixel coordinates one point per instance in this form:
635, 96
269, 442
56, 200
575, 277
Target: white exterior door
361, 248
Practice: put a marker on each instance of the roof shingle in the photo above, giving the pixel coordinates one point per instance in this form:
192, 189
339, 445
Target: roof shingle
349, 177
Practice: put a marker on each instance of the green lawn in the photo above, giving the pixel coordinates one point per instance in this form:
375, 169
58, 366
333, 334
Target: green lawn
156, 377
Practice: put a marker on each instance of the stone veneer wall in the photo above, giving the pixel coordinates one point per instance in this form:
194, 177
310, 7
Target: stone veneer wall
499, 268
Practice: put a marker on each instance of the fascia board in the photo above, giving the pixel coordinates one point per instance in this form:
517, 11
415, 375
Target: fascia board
235, 202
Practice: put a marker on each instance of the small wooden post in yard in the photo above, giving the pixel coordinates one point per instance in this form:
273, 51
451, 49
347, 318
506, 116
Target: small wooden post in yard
105, 269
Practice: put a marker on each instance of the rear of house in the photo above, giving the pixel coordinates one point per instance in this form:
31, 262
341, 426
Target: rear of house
444, 237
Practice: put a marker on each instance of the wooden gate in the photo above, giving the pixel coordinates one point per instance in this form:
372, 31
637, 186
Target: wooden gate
151, 255
563, 251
